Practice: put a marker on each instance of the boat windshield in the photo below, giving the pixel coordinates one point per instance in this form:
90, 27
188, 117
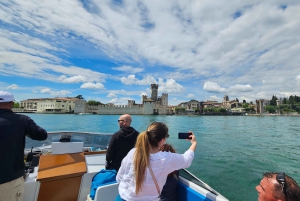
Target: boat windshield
94, 140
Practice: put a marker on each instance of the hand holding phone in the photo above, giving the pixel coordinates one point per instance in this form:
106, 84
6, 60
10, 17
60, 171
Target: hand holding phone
184, 135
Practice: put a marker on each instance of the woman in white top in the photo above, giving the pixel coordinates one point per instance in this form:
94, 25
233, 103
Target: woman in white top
134, 177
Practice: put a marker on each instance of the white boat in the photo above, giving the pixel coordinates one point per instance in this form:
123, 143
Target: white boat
64, 170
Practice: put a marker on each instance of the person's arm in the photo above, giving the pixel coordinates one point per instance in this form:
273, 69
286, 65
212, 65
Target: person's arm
33, 131
179, 161
110, 152
193, 141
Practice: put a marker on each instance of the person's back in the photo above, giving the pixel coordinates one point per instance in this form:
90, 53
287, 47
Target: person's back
121, 143
135, 180
13, 129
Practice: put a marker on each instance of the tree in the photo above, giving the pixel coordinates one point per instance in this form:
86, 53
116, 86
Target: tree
270, 108
284, 101
273, 101
16, 105
237, 100
79, 97
244, 101
93, 102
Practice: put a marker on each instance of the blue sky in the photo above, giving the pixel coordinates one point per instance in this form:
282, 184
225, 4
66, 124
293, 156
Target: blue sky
111, 51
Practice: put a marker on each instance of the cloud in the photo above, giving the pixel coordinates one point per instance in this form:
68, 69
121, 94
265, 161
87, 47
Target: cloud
298, 79
90, 85
129, 69
73, 79
143, 94
110, 95
241, 88
120, 101
131, 79
55, 93
169, 86
191, 96
213, 87
13, 86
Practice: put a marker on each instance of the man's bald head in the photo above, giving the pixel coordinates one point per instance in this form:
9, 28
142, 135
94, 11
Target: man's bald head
125, 120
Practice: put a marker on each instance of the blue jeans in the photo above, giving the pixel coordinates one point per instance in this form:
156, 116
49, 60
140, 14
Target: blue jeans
118, 198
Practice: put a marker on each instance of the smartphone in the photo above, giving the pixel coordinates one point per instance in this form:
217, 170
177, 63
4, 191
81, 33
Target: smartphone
184, 135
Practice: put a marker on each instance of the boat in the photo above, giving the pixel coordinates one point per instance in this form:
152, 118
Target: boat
62, 168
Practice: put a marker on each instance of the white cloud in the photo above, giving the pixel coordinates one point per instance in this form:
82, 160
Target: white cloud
169, 86
110, 95
298, 79
191, 96
241, 88
73, 79
90, 85
143, 94
55, 93
129, 69
131, 79
120, 101
13, 86
213, 87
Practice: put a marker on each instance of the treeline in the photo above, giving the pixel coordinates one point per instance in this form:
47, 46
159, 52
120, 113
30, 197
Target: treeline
288, 105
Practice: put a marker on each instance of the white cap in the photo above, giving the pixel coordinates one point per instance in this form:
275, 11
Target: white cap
6, 97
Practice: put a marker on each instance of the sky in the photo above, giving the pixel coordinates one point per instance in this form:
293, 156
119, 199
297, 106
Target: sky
111, 51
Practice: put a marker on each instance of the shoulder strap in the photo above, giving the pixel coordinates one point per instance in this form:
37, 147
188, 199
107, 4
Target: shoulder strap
154, 179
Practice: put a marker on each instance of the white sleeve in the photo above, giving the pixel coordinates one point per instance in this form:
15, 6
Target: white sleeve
121, 171
180, 161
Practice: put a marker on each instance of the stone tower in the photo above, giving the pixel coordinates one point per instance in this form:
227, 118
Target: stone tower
154, 88
226, 98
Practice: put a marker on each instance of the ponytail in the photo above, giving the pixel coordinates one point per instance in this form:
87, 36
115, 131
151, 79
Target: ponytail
145, 142
141, 159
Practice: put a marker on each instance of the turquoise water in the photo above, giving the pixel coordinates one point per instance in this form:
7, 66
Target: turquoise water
232, 151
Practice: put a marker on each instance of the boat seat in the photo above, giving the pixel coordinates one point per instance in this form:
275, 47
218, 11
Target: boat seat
105, 193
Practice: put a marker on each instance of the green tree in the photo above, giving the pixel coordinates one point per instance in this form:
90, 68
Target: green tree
244, 101
284, 101
270, 108
93, 102
273, 101
16, 105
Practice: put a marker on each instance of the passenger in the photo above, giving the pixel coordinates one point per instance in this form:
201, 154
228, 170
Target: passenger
13, 129
134, 177
278, 187
169, 191
121, 143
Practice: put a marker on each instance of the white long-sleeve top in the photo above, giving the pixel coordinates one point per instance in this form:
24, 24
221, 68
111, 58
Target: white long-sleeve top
162, 163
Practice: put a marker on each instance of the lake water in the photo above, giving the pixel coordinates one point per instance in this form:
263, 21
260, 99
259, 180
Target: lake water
232, 151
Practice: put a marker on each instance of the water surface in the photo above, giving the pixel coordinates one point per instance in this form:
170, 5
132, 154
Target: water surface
232, 151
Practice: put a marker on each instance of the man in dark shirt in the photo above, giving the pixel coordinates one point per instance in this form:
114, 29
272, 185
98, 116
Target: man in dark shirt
121, 143
13, 129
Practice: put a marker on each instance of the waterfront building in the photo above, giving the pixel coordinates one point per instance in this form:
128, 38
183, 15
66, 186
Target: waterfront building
260, 105
150, 105
49, 105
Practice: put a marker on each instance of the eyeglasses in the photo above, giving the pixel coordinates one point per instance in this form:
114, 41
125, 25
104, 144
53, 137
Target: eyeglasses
280, 177
120, 120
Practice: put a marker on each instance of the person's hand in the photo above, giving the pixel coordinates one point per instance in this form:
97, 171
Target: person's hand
192, 137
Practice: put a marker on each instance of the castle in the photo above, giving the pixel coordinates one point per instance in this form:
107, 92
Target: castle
150, 105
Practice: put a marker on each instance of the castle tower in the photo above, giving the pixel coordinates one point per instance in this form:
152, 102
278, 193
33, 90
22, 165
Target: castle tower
154, 88
226, 98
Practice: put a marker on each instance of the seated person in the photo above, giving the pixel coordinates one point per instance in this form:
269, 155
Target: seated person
169, 191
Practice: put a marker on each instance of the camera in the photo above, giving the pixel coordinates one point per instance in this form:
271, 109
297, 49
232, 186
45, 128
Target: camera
184, 135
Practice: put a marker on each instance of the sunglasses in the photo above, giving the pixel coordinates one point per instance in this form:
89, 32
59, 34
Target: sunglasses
120, 120
280, 177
